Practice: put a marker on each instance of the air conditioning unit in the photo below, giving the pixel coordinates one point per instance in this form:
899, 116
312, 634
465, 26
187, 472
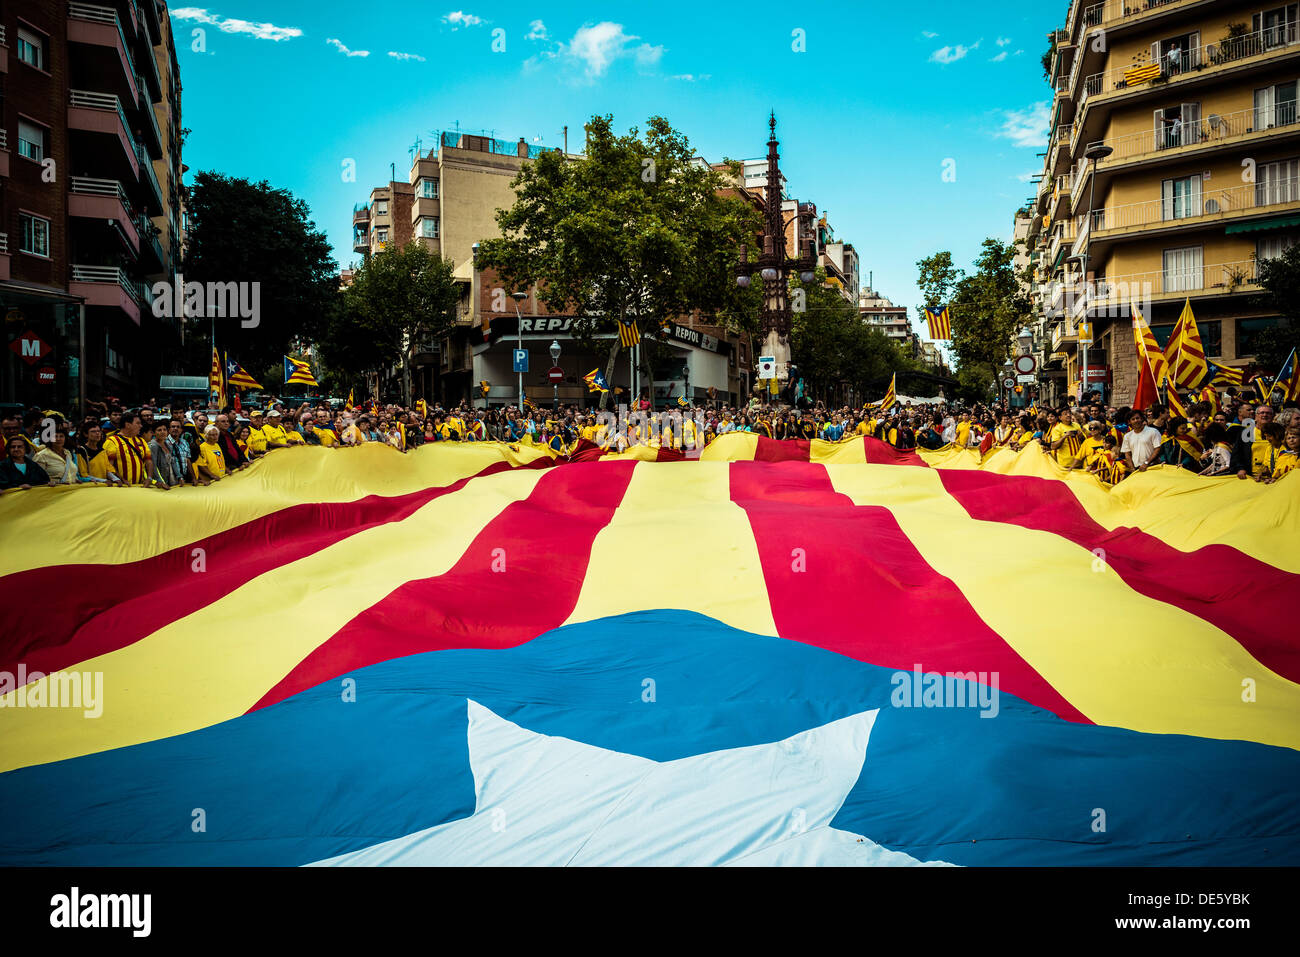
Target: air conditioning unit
1212, 206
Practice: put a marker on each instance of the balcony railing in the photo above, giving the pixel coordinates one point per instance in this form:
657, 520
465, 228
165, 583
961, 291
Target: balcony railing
1113, 291
1111, 12
112, 275
3, 41
4, 139
1174, 65
1206, 130
98, 187
1200, 203
4, 243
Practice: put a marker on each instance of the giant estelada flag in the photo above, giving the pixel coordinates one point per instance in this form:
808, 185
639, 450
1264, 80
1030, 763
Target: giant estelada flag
446, 657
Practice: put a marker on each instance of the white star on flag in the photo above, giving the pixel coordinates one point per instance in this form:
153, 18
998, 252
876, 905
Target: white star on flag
550, 801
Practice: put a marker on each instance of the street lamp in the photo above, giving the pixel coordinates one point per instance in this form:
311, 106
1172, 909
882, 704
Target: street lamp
519, 297
773, 265
555, 386
1097, 151
1026, 339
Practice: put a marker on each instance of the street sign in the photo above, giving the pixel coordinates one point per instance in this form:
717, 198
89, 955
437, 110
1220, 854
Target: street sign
1085, 334
767, 367
1026, 364
1008, 383
521, 360
556, 375
1026, 378
45, 375
30, 347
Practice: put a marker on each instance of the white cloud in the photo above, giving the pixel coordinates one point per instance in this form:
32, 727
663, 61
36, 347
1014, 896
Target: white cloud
1025, 177
594, 48
647, 55
338, 45
597, 46
691, 77
459, 18
999, 58
929, 34
1003, 41
1026, 127
536, 31
260, 31
1018, 52
405, 56
949, 54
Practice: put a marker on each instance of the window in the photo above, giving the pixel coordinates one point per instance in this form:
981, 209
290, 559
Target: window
1276, 183
1271, 247
31, 48
429, 188
381, 207
381, 235
1248, 331
1177, 54
35, 235
1181, 197
1275, 106
1178, 125
1278, 26
429, 227
1211, 337
1182, 269
31, 141
1162, 334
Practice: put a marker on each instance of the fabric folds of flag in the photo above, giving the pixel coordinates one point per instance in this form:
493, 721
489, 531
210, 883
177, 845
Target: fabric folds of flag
939, 322
1175, 401
237, 378
1152, 366
891, 396
1184, 351
1224, 375
351, 402
298, 372
628, 334
217, 380
1211, 395
1263, 386
1141, 74
595, 380
390, 653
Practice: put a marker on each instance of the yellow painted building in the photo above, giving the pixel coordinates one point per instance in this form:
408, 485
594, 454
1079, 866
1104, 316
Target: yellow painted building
1196, 102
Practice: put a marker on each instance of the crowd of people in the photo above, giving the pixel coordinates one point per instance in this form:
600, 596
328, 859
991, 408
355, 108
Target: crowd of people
165, 448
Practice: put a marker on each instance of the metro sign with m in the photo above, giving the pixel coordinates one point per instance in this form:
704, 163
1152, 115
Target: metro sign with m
31, 348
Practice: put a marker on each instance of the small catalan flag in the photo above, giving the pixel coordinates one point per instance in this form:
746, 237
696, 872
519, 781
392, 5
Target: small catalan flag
940, 323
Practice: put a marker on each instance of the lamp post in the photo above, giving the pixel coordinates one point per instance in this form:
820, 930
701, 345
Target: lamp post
1007, 368
555, 386
1097, 151
774, 265
519, 297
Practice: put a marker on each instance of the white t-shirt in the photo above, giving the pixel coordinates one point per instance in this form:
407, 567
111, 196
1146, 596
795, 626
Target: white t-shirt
1144, 445
950, 430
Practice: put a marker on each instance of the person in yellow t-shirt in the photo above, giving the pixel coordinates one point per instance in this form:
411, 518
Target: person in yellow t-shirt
1092, 446
256, 437
963, 431
128, 454
211, 462
275, 435
1065, 439
1288, 456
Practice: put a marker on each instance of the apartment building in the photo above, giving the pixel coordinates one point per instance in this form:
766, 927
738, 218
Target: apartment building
881, 314
90, 205
1188, 108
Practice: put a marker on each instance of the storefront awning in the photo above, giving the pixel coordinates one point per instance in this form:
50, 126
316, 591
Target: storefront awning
1262, 225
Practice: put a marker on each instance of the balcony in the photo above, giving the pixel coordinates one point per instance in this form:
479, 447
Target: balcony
152, 257
102, 113
1213, 131
103, 199
149, 179
1113, 293
361, 213
1115, 13
4, 257
1210, 59
97, 26
4, 154
1063, 333
1199, 207
109, 286
4, 51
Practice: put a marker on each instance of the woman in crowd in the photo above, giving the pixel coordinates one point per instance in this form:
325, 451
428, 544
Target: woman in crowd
94, 460
58, 461
17, 470
1179, 447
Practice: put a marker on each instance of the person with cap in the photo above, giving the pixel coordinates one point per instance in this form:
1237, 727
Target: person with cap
256, 437
273, 432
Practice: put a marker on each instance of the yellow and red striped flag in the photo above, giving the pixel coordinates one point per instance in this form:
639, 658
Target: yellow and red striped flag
217, 380
1184, 351
940, 323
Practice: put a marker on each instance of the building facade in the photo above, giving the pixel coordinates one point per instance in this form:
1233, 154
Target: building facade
90, 198
1196, 101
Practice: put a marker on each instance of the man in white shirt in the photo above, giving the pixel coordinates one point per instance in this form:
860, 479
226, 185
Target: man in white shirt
1141, 442
949, 429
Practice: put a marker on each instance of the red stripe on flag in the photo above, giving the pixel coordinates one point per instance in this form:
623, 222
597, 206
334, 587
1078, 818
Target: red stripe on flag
882, 453
903, 614
545, 544
1242, 596
70, 613
782, 450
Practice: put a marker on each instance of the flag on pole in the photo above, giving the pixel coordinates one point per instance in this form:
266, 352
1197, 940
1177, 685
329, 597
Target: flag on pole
595, 380
1263, 387
1184, 351
237, 377
217, 380
1288, 379
484, 387
1211, 395
1224, 375
298, 372
1175, 401
1152, 367
628, 334
347, 406
940, 323
890, 399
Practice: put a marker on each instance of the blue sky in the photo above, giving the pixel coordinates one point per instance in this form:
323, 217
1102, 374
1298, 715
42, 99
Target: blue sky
868, 111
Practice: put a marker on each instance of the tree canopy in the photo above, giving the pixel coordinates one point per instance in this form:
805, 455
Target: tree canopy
1280, 277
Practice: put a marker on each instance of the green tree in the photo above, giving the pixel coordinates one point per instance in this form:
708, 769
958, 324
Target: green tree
245, 232
637, 230
1280, 278
398, 299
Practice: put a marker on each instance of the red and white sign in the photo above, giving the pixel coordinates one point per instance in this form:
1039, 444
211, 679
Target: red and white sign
31, 348
1025, 364
1097, 374
556, 374
45, 375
